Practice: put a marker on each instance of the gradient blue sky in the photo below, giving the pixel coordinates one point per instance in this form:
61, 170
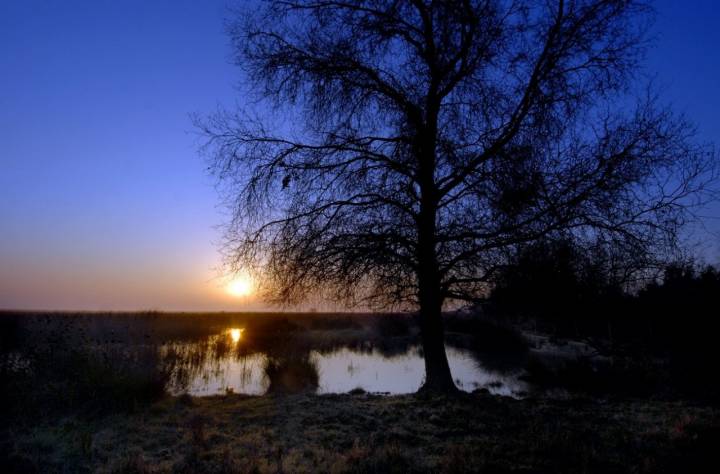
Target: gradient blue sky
104, 202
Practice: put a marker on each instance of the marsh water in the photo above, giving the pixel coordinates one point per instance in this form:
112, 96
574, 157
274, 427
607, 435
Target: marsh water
208, 354
224, 363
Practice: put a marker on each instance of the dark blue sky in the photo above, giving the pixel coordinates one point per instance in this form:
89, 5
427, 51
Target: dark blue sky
104, 203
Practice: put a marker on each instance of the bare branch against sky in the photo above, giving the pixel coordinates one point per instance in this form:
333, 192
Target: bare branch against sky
417, 145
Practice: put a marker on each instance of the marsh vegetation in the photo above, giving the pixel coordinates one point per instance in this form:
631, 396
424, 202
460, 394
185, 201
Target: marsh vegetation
157, 392
114, 361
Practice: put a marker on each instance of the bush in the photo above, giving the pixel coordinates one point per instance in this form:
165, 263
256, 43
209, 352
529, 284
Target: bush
291, 373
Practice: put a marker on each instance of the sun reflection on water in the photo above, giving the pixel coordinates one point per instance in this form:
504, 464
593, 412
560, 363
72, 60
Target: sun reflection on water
221, 363
236, 334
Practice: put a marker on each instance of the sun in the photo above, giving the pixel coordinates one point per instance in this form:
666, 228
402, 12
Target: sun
239, 287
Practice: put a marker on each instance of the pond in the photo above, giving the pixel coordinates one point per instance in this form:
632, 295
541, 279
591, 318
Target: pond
222, 364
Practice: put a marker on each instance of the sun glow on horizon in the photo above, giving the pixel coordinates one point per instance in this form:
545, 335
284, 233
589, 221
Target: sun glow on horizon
239, 287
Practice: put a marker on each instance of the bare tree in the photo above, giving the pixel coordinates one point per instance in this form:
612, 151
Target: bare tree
405, 147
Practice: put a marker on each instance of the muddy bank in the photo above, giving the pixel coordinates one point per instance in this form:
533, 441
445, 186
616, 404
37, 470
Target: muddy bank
362, 433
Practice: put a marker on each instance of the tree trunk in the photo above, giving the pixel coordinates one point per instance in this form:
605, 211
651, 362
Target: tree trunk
438, 378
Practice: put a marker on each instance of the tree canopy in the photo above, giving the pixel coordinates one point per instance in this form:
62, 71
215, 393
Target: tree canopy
399, 151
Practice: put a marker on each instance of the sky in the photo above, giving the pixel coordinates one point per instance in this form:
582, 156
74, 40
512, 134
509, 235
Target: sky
105, 203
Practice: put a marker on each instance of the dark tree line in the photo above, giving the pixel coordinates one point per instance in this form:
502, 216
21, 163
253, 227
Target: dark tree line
669, 322
577, 291
560, 284
398, 152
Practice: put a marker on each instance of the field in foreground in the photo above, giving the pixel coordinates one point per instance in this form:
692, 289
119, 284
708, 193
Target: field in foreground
364, 433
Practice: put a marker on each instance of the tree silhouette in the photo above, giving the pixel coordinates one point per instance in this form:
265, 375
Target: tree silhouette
396, 152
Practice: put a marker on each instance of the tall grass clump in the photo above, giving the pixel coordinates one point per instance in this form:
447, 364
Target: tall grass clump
53, 366
291, 373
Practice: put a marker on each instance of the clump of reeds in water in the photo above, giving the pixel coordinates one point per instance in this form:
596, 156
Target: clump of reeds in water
291, 373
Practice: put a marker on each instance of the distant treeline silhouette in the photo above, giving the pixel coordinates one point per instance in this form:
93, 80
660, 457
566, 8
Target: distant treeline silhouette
672, 317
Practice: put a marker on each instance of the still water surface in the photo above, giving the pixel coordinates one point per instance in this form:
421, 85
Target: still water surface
205, 370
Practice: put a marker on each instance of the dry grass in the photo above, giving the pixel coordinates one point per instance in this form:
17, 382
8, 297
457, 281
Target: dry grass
361, 433
90, 404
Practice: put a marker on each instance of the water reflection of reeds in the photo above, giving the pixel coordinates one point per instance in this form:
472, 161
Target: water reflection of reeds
207, 360
218, 364
140, 355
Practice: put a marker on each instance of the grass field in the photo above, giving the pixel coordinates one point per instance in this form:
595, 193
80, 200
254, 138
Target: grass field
88, 393
362, 433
